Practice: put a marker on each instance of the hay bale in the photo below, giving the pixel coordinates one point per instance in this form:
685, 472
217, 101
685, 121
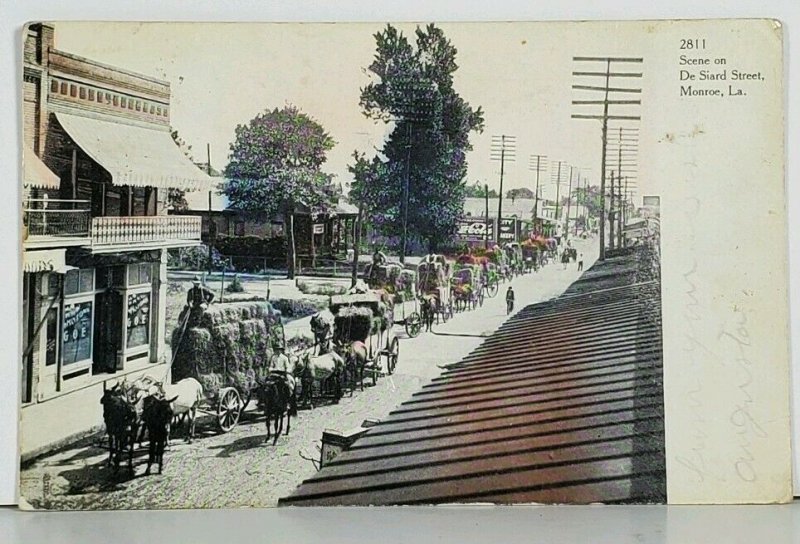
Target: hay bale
352, 323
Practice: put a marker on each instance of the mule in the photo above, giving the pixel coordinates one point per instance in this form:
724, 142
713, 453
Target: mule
276, 399
122, 423
157, 416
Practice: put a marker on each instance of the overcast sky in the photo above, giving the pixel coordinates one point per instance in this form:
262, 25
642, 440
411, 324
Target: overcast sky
224, 74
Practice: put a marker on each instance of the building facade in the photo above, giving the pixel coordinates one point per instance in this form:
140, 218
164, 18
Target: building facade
98, 163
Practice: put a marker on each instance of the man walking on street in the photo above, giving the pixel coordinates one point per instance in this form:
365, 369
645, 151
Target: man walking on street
580, 262
510, 300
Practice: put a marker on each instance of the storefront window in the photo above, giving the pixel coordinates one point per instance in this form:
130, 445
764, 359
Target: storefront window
79, 281
139, 274
77, 335
138, 325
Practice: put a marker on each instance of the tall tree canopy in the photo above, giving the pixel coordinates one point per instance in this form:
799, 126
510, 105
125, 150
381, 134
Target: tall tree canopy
413, 88
275, 164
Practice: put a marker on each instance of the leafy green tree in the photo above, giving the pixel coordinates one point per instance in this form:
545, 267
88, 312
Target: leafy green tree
275, 164
478, 190
522, 192
423, 161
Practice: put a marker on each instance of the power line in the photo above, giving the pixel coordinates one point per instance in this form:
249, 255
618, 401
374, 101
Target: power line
607, 89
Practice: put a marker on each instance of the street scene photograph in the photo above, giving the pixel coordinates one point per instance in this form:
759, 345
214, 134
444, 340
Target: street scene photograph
296, 264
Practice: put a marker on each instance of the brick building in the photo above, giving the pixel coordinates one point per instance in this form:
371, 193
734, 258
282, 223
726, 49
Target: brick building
98, 162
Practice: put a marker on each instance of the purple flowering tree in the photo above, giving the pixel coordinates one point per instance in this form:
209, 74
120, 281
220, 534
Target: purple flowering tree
275, 164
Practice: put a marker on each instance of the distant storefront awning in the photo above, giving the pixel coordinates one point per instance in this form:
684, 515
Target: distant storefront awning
135, 155
36, 173
49, 260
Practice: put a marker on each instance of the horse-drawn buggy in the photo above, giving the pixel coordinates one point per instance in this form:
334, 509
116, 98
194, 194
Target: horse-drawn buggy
433, 289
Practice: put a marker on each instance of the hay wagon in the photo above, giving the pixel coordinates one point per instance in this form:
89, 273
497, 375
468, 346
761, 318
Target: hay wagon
227, 348
368, 318
467, 287
433, 279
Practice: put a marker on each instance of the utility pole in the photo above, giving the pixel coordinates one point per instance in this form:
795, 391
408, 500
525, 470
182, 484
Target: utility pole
504, 148
569, 203
558, 182
537, 164
607, 74
413, 111
611, 215
404, 235
212, 228
486, 217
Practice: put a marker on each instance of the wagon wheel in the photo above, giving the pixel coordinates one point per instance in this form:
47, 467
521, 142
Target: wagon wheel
413, 325
492, 289
394, 353
229, 409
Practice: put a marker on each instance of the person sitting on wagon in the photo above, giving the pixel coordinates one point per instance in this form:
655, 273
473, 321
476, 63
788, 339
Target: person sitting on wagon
281, 367
199, 296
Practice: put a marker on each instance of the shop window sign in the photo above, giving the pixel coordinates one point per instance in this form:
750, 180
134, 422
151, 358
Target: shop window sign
138, 324
77, 333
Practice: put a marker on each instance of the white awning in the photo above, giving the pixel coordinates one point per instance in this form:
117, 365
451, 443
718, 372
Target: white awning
36, 173
134, 154
48, 260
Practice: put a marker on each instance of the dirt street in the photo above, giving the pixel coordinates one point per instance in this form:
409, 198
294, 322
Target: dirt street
239, 469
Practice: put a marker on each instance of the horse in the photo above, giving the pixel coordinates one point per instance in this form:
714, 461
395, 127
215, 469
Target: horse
356, 355
329, 368
429, 306
275, 397
187, 395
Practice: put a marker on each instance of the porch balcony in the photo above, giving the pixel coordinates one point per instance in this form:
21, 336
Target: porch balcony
110, 234
55, 223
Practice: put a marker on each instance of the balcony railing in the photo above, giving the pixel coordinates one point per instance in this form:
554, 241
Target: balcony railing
54, 218
147, 230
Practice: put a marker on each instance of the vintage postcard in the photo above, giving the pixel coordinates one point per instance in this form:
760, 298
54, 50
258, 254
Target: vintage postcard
415, 263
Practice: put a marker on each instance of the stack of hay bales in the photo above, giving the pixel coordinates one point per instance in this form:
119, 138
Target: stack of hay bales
352, 323
228, 344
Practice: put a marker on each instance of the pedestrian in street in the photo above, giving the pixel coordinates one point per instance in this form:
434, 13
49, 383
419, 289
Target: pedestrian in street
580, 262
281, 367
565, 258
509, 300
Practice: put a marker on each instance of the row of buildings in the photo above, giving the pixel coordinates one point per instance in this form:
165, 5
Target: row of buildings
99, 161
